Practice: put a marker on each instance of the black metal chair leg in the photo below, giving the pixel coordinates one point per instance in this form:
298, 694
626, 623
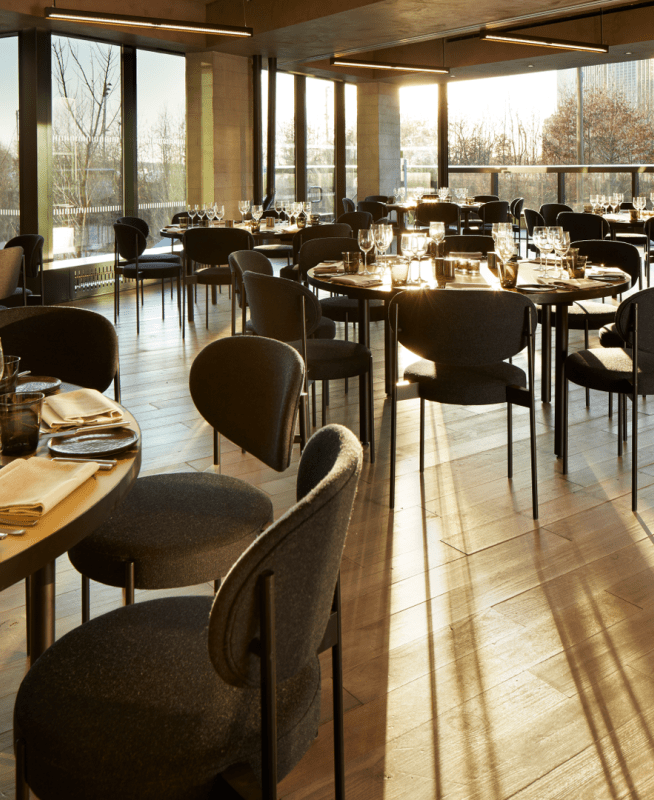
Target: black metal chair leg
422, 434
324, 403
564, 422
620, 424
337, 702
624, 417
22, 789
587, 345
371, 414
634, 455
86, 599
509, 438
314, 418
610, 404
128, 591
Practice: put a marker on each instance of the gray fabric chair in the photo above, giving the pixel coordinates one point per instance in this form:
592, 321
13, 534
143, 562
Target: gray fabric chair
377, 209
490, 212
288, 311
627, 369
188, 528
142, 225
357, 220
339, 229
449, 213
532, 220
485, 198
32, 244
278, 248
156, 700
11, 267
550, 211
468, 243
129, 244
463, 339
348, 205
515, 215
583, 226
210, 248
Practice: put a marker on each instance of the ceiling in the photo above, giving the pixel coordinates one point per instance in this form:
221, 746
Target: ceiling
303, 35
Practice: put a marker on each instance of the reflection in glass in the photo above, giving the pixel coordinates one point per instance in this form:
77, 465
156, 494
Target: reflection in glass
9, 214
320, 146
350, 142
285, 138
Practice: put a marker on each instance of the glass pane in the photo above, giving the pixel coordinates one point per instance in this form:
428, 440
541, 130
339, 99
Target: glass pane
161, 138
320, 146
264, 127
351, 141
9, 216
419, 137
86, 147
285, 138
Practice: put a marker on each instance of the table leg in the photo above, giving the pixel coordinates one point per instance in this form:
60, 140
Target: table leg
546, 354
388, 350
561, 352
364, 339
189, 290
42, 610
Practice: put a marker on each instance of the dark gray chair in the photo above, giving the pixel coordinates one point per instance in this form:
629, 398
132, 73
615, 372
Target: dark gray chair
449, 213
550, 211
210, 248
485, 198
357, 220
188, 528
377, 209
515, 215
627, 369
11, 269
378, 198
129, 262
583, 226
276, 249
340, 229
648, 230
348, 205
468, 243
532, 220
32, 245
493, 211
156, 700
288, 311
142, 225
463, 339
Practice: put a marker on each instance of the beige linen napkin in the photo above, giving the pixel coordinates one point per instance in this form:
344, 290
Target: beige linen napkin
357, 280
336, 266
572, 283
29, 488
81, 407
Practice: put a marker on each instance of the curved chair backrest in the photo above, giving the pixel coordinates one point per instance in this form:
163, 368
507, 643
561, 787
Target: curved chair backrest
516, 207
270, 212
494, 211
179, 216
376, 198
73, 344
583, 226
32, 245
468, 243
532, 220
318, 232
212, 246
611, 254
486, 198
550, 211
348, 205
135, 222
648, 229
248, 388
626, 205
130, 241
303, 549
623, 316
241, 261
276, 307
449, 213
378, 210
11, 259
332, 249
268, 200
357, 220
467, 328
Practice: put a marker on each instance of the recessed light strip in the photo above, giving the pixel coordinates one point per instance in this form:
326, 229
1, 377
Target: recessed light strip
543, 41
353, 62
145, 22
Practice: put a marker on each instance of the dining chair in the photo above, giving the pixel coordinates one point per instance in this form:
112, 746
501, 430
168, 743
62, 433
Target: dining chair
348, 205
448, 213
276, 249
626, 369
515, 214
129, 245
550, 211
357, 220
463, 340
532, 220
142, 225
188, 528
377, 209
493, 211
485, 198
468, 243
11, 269
290, 312
156, 700
32, 245
378, 198
583, 226
339, 229
648, 231
210, 248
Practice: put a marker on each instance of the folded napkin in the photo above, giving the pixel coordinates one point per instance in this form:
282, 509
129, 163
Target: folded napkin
29, 488
608, 272
573, 283
469, 282
466, 256
81, 407
358, 280
337, 266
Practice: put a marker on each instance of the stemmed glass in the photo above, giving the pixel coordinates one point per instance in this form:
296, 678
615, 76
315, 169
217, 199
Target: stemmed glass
211, 213
651, 197
243, 207
383, 234
540, 240
605, 202
307, 208
421, 245
594, 201
2, 361
279, 206
257, 213
437, 233
561, 245
219, 211
366, 239
191, 214
547, 246
409, 245
640, 203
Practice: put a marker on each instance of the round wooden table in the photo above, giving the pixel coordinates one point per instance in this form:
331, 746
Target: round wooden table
78, 515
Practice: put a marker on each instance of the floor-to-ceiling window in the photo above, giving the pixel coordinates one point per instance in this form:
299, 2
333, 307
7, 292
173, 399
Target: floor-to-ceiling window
9, 211
350, 140
418, 138
320, 146
161, 137
285, 138
264, 128
86, 146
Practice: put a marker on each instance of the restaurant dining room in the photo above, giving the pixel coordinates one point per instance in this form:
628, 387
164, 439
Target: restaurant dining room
326, 340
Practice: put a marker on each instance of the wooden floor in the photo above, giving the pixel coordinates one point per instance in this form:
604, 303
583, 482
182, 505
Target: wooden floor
486, 656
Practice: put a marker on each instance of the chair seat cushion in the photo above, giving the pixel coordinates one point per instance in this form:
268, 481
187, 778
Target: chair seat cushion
596, 314
290, 273
326, 329
151, 269
179, 529
272, 249
609, 369
130, 706
334, 359
338, 307
609, 337
464, 385
214, 276
166, 258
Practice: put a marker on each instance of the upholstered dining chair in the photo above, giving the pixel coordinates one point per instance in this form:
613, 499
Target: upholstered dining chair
156, 700
142, 225
277, 248
468, 243
188, 528
627, 369
357, 220
448, 213
550, 211
210, 248
130, 243
11, 268
583, 226
32, 244
290, 312
348, 205
377, 209
463, 340
515, 215
340, 229
485, 198
493, 211
532, 220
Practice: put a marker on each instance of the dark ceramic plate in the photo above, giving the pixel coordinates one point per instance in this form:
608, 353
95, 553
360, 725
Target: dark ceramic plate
107, 443
38, 383
537, 287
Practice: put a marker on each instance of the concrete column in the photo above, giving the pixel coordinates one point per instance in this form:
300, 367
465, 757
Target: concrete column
219, 130
378, 139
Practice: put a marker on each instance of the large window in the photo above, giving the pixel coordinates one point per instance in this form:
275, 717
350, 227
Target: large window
9, 214
161, 138
418, 137
87, 148
320, 146
350, 141
285, 138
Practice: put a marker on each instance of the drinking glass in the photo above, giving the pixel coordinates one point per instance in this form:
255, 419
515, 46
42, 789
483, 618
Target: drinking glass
219, 212
561, 246
279, 206
651, 197
192, 213
243, 207
421, 245
408, 249
594, 201
307, 208
2, 361
540, 240
20, 418
640, 203
437, 233
382, 240
606, 202
257, 213
366, 239
211, 213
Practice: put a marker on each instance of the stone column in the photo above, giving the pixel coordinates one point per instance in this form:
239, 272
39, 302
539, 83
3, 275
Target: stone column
378, 139
219, 130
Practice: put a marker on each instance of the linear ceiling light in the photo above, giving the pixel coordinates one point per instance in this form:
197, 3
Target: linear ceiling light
542, 41
145, 22
354, 62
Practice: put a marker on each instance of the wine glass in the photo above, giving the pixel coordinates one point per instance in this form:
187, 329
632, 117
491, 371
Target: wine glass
257, 213
279, 206
243, 207
640, 203
2, 361
366, 239
540, 236
211, 213
409, 249
307, 208
219, 212
421, 245
561, 242
547, 246
382, 240
437, 233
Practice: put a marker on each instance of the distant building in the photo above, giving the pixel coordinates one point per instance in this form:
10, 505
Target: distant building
635, 79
